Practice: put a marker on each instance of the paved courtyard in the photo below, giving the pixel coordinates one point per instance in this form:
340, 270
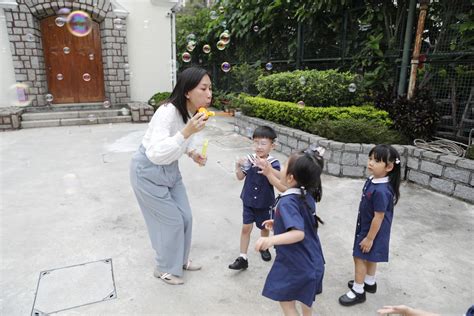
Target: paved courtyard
66, 200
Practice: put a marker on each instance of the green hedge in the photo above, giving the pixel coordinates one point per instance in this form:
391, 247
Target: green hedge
157, 98
353, 124
315, 88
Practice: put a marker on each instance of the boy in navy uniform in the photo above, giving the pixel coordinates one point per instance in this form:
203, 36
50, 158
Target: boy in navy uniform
257, 193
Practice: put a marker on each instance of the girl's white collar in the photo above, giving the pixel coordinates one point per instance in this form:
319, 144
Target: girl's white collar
379, 180
291, 191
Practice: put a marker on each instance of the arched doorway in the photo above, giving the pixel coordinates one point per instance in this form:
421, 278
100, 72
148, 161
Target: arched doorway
74, 69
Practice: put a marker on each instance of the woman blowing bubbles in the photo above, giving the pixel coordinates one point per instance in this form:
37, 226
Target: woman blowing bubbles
155, 175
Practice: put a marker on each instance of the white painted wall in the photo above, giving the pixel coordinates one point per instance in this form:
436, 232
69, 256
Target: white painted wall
149, 48
7, 72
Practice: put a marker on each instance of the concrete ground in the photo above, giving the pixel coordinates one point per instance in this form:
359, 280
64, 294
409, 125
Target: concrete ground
66, 200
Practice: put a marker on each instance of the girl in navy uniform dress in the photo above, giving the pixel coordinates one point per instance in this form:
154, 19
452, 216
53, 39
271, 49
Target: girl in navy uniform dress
374, 220
298, 270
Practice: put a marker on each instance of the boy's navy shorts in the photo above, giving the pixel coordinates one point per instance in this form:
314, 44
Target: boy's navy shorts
255, 215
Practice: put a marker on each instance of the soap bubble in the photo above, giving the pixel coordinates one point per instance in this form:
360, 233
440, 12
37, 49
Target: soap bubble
91, 117
86, 77
225, 67
60, 21
221, 9
352, 87
302, 80
213, 15
206, 49
300, 103
106, 104
268, 66
18, 94
49, 98
30, 37
91, 56
59, 77
220, 45
66, 50
224, 23
146, 24
256, 28
79, 23
225, 38
186, 57
191, 45
118, 23
191, 37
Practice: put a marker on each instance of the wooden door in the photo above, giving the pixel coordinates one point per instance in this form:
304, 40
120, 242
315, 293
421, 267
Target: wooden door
73, 64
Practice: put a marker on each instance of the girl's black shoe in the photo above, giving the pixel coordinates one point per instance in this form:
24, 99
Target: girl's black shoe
367, 288
266, 255
239, 264
347, 301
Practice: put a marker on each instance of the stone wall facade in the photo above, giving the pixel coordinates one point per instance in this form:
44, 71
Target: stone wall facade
10, 118
24, 34
141, 112
447, 174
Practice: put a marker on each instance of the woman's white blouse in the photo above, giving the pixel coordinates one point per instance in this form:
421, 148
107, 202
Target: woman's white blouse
163, 140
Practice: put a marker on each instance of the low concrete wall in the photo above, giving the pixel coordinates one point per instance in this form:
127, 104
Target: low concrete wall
10, 117
447, 174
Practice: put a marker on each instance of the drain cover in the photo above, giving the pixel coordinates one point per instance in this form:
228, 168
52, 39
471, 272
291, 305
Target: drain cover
74, 286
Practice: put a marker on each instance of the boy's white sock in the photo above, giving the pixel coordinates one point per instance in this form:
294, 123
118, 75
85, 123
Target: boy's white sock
243, 255
369, 279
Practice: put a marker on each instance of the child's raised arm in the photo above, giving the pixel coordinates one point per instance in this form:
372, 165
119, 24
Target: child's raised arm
272, 174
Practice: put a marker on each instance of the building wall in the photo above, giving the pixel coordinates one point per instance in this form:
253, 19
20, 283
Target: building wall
149, 47
7, 74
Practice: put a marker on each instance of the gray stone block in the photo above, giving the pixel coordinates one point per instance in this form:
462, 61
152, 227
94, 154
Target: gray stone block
336, 145
442, 185
366, 148
400, 149
449, 159
362, 159
286, 150
413, 163
354, 147
431, 167
302, 145
283, 139
352, 171
324, 143
417, 152
430, 155
466, 163
336, 157
349, 159
292, 142
334, 169
464, 192
457, 174
418, 177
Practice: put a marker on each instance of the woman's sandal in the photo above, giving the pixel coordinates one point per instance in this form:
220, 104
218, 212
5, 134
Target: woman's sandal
190, 266
168, 278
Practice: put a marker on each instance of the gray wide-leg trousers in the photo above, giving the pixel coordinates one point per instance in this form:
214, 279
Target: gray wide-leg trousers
162, 198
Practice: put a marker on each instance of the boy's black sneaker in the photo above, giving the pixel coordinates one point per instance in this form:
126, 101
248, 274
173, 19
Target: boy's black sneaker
347, 301
239, 264
368, 288
266, 255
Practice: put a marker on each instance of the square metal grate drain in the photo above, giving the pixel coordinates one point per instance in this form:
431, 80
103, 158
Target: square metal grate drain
74, 286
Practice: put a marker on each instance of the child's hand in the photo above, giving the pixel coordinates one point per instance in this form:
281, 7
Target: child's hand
263, 243
199, 159
263, 165
366, 244
268, 224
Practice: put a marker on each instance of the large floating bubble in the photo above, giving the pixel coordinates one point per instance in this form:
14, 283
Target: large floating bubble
225, 67
79, 23
86, 77
18, 94
268, 66
206, 49
49, 98
186, 57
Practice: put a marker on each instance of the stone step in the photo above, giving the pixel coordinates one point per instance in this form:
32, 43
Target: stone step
69, 107
69, 115
76, 121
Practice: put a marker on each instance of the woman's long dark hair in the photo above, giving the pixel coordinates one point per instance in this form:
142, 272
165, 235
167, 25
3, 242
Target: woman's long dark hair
187, 81
388, 154
306, 168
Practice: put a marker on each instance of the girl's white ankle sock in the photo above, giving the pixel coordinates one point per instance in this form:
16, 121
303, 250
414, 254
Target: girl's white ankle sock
369, 279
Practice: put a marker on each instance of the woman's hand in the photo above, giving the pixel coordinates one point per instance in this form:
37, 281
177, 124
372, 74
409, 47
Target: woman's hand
268, 224
263, 243
366, 244
404, 310
194, 125
198, 158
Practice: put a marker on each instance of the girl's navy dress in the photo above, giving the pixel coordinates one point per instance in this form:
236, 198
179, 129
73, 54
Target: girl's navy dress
298, 270
377, 195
